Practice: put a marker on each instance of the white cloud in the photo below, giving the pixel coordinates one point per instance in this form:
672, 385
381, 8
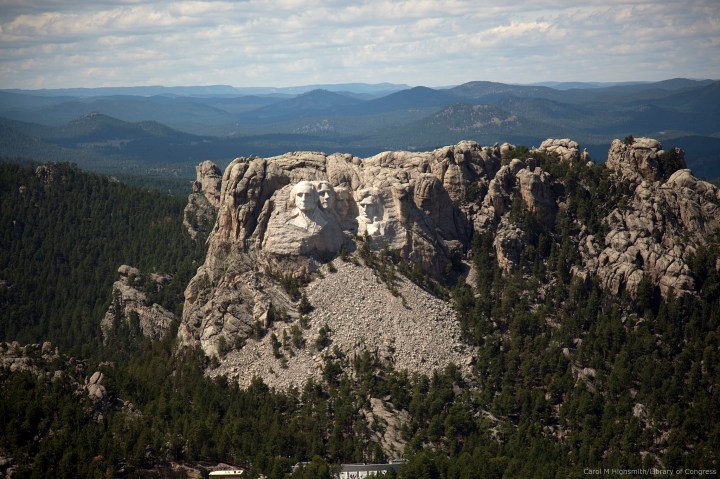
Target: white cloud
54, 43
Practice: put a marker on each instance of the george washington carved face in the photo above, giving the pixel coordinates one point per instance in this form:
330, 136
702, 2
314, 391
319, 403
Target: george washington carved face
305, 197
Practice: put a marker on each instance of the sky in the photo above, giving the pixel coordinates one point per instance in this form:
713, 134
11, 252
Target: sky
102, 43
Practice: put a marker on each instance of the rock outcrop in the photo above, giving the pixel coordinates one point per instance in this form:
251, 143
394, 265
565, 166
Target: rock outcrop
281, 219
94, 386
566, 150
411, 203
204, 201
662, 223
521, 180
48, 364
54, 369
208, 182
30, 357
637, 160
389, 421
132, 305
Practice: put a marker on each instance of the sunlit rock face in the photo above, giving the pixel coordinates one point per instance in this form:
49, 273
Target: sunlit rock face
301, 225
659, 227
286, 216
281, 220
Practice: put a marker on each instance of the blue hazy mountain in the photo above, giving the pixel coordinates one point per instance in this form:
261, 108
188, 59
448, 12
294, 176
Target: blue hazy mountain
361, 118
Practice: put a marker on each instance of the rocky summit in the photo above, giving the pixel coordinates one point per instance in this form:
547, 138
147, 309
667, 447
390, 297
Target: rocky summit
304, 257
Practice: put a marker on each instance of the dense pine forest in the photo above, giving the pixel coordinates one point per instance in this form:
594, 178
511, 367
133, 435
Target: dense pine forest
64, 235
567, 377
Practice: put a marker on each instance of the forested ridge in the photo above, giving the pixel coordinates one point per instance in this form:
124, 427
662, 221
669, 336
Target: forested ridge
64, 235
566, 377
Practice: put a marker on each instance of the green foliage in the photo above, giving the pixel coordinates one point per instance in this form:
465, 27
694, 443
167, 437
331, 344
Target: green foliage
304, 307
274, 314
529, 358
223, 347
62, 242
29, 409
413, 271
520, 151
475, 192
344, 254
565, 376
292, 284
323, 339
538, 328
275, 345
317, 468
386, 263
296, 337
670, 161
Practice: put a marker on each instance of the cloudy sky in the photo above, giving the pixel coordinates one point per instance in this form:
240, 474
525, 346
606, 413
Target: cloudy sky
79, 43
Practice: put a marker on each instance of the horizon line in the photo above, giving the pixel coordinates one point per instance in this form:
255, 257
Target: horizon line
379, 84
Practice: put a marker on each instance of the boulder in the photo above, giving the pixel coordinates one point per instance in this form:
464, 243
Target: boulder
565, 149
126, 271
637, 160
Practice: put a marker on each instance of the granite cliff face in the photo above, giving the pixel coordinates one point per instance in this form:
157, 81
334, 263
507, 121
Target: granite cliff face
410, 203
310, 220
204, 201
662, 223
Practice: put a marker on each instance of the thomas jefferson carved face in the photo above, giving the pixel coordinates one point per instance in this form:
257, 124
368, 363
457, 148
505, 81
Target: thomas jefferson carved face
305, 197
327, 195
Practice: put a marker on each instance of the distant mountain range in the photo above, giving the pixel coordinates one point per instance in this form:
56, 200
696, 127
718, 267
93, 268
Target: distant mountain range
176, 127
378, 89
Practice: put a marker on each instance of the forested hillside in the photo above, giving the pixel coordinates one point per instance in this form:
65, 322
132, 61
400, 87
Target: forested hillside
64, 235
566, 377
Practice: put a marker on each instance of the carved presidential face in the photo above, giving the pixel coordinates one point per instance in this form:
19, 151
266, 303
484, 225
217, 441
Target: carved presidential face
305, 196
327, 195
368, 208
343, 199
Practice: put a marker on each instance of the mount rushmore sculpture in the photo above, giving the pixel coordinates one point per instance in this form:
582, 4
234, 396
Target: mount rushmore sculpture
286, 216
313, 218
